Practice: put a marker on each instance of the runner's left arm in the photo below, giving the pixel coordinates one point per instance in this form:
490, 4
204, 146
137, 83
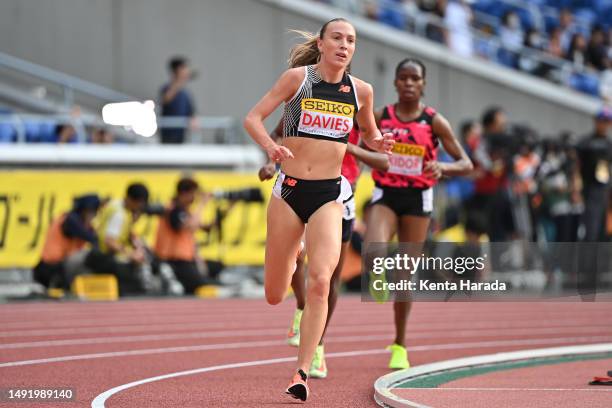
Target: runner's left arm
462, 164
370, 134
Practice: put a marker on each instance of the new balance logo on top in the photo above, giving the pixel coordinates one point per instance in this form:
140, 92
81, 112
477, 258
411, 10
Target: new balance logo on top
344, 88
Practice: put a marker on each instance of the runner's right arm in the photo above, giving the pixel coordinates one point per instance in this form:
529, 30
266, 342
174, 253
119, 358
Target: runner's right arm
268, 170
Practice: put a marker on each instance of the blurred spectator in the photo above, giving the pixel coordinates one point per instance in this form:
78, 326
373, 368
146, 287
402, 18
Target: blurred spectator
371, 10
485, 44
7, 131
102, 136
411, 12
531, 63
576, 52
471, 136
567, 29
605, 84
595, 154
597, 52
491, 158
554, 43
609, 43
460, 189
176, 100
390, 12
524, 185
511, 37
558, 187
65, 133
352, 6
175, 244
435, 31
67, 235
121, 252
458, 18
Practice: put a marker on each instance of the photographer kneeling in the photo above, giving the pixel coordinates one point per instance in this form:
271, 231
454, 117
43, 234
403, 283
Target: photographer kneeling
121, 253
67, 238
175, 244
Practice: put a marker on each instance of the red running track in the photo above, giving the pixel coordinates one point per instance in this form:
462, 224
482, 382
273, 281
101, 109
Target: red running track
94, 347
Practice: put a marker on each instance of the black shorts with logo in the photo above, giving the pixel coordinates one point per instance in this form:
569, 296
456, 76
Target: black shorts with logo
307, 196
405, 200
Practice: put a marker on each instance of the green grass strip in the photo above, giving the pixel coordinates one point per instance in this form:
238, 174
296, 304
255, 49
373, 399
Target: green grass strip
436, 379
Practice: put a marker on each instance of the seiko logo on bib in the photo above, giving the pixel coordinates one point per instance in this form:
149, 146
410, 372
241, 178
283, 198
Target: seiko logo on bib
407, 159
326, 118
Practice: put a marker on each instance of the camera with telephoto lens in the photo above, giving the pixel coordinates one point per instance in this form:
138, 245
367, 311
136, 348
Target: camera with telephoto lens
250, 195
154, 209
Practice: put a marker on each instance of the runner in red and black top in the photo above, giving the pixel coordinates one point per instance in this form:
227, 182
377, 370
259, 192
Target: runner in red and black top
402, 201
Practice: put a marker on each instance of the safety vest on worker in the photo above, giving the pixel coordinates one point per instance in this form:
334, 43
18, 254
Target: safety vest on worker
115, 212
58, 246
173, 245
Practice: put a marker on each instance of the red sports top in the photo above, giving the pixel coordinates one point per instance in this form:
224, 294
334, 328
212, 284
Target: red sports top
415, 145
350, 167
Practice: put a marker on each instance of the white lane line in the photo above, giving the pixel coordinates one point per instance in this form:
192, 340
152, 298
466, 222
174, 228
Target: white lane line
481, 324
203, 310
228, 304
98, 320
388, 382
101, 318
280, 331
506, 389
274, 343
99, 401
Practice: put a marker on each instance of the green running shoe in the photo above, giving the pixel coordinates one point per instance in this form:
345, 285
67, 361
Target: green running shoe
318, 368
399, 357
379, 295
293, 337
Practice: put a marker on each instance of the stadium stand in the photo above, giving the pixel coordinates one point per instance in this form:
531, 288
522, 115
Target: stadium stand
488, 30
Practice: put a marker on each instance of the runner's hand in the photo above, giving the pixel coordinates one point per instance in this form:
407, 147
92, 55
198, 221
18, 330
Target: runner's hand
267, 171
278, 153
383, 143
433, 169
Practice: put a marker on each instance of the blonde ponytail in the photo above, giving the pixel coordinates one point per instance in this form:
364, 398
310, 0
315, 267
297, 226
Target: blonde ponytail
305, 53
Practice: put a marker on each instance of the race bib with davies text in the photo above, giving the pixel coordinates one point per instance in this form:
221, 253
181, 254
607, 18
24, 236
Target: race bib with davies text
326, 118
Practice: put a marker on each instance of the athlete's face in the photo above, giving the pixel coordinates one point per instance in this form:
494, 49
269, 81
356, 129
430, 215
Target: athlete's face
409, 83
186, 198
338, 44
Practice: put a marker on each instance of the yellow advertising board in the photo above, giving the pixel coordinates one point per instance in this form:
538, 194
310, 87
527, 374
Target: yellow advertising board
30, 199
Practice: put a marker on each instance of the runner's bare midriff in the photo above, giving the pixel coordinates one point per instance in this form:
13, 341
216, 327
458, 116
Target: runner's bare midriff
315, 159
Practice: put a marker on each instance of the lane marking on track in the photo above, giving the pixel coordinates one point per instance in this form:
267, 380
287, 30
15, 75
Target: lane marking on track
383, 385
98, 319
84, 316
275, 343
239, 304
99, 401
422, 334
443, 326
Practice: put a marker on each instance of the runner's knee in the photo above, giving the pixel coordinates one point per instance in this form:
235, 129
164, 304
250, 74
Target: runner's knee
274, 297
318, 287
